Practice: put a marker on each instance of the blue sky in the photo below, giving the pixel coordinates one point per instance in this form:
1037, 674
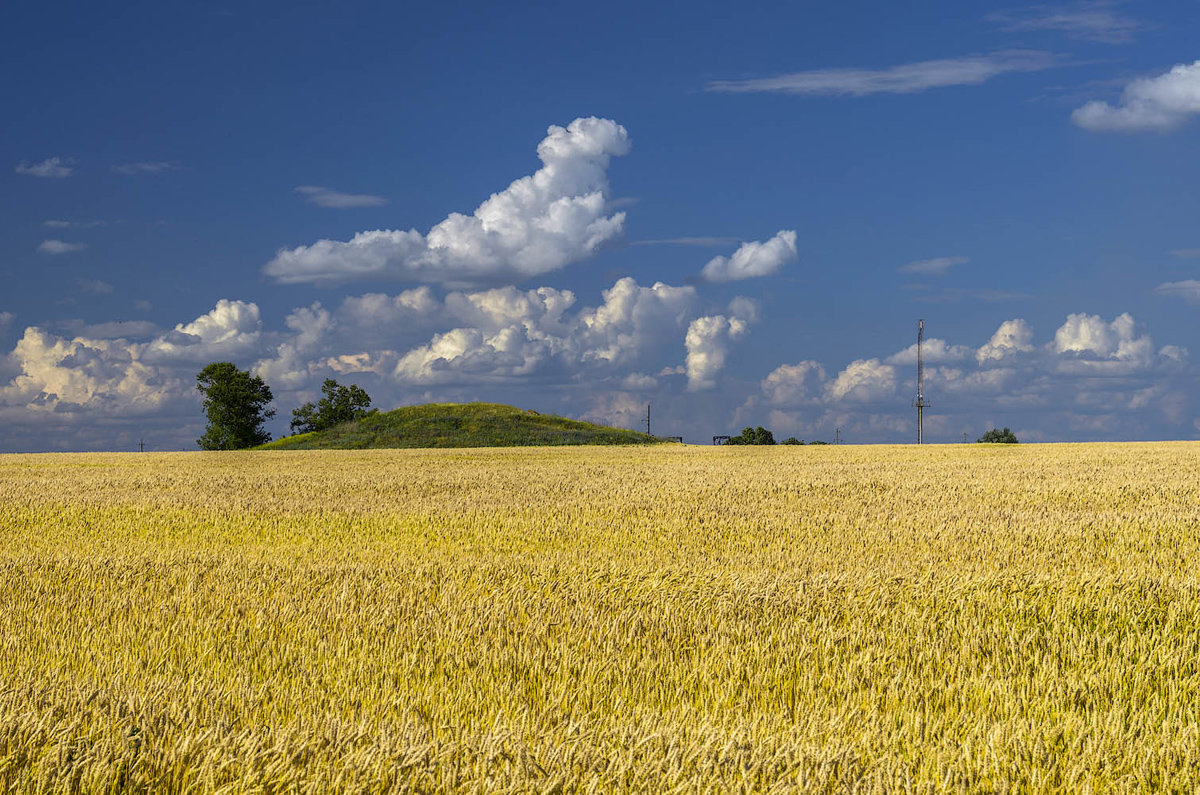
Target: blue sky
737, 214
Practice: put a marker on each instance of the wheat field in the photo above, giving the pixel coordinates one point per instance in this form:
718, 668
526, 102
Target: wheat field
670, 619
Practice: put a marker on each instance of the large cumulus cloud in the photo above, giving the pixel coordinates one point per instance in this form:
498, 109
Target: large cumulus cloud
538, 224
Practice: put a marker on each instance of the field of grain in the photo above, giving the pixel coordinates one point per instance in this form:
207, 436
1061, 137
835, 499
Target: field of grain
670, 619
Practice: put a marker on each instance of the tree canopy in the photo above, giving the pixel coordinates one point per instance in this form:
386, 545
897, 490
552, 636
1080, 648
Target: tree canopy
236, 404
759, 435
999, 437
339, 404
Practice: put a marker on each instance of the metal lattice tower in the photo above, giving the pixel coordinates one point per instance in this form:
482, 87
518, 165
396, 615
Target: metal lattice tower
920, 401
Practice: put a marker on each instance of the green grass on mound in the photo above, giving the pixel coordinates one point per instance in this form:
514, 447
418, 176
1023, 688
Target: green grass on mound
457, 425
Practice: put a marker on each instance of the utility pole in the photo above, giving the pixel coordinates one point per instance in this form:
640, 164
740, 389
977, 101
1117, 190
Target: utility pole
964, 437
647, 419
920, 401
141, 445
837, 435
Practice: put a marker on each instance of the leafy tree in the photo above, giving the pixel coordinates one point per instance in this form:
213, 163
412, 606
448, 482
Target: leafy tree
759, 435
999, 437
792, 440
339, 404
235, 403
818, 442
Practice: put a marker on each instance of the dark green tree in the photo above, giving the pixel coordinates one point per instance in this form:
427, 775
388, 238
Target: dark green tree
235, 403
759, 435
792, 440
339, 404
998, 437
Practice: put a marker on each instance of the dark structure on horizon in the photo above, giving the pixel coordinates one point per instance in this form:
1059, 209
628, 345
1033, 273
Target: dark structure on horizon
920, 401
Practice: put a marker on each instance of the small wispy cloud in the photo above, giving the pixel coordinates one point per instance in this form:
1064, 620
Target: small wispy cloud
1150, 104
50, 168
324, 197
932, 267
59, 247
903, 79
688, 241
1185, 253
1188, 290
94, 286
1094, 20
6, 320
57, 223
145, 167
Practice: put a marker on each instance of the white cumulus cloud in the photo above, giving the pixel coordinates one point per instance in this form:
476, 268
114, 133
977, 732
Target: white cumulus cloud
1011, 338
632, 318
99, 371
101, 376
383, 309
538, 224
1088, 344
863, 381
292, 364
1159, 104
753, 259
536, 311
708, 342
935, 351
794, 384
1091, 335
231, 329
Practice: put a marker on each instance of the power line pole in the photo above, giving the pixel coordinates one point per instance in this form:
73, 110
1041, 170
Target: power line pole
964, 437
837, 435
141, 445
647, 419
920, 401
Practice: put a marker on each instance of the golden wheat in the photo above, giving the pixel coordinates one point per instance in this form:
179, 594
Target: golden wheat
966, 618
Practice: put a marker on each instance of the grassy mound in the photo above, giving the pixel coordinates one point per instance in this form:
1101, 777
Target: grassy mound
457, 425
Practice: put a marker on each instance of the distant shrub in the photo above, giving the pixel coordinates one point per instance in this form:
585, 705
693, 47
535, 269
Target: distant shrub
759, 435
998, 437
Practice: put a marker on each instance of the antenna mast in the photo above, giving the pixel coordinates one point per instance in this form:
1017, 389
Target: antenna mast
920, 401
